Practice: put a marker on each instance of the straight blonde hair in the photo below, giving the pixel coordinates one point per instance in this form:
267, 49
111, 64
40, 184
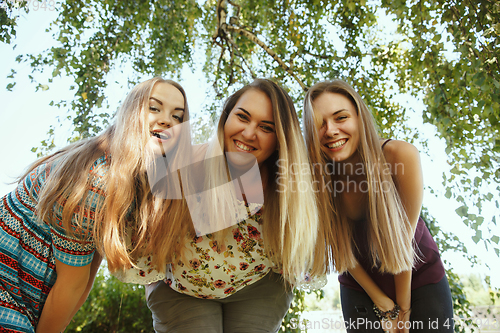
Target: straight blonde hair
130, 221
290, 215
390, 235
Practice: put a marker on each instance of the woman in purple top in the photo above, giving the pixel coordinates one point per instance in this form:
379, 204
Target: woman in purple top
370, 194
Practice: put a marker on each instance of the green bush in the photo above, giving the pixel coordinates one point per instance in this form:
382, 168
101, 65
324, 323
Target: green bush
113, 306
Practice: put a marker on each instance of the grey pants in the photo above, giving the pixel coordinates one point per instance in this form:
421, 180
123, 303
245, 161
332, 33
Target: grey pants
259, 307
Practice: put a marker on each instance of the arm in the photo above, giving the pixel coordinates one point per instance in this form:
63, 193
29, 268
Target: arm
94, 268
378, 297
63, 298
407, 174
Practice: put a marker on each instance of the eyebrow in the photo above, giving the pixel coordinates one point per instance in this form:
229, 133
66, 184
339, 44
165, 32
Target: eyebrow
159, 102
264, 121
338, 111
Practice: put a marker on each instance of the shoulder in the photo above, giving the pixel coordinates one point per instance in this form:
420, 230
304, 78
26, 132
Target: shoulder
397, 152
98, 172
38, 175
31, 183
103, 161
101, 165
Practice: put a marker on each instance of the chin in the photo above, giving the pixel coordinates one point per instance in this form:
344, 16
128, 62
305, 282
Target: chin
240, 160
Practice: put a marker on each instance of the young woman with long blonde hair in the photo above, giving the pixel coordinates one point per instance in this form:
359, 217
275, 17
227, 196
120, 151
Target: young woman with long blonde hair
89, 199
256, 225
370, 196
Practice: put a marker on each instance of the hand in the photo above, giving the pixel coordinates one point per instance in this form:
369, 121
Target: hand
390, 326
404, 321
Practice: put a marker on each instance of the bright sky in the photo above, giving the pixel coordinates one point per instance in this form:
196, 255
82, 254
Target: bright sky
25, 117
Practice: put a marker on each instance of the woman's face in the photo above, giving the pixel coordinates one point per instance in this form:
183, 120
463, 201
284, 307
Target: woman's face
166, 110
339, 132
250, 129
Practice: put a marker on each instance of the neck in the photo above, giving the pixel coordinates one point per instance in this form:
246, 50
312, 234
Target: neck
351, 167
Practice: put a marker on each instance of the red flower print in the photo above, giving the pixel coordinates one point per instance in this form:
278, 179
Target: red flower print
259, 268
237, 235
197, 239
243, 266
228, 290
181, 287
195, 263
253, 232
142, 273
214, 246
258, 217
219, 284
168, 282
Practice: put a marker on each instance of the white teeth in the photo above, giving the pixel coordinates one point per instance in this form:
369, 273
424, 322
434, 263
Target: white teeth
161, 135
242, 146
336, 144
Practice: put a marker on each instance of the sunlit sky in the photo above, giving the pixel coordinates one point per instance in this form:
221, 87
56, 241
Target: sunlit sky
25, 117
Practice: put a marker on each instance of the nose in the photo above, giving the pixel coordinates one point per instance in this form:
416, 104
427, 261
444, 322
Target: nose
164, 120
331, 129
249, 132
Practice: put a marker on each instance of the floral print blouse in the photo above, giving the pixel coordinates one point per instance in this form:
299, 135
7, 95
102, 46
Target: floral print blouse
211, 273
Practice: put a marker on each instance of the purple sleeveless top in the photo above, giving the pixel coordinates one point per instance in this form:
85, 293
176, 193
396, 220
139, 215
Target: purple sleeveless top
429, 269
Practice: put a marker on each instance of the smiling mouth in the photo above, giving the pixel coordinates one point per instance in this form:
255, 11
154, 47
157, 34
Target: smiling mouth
243, 146
161, 135
336, 144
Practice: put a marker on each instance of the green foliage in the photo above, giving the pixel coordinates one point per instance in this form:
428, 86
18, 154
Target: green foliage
113, 306
452, 58
8, 21
296, 308
327, 298
443, 52
476, 292
448, 242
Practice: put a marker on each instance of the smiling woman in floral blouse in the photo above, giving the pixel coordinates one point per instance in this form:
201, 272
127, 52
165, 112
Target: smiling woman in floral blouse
256, 232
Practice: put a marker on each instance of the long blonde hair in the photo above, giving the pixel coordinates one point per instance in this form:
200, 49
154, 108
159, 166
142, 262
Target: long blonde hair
290, 216
131, 221
389, 232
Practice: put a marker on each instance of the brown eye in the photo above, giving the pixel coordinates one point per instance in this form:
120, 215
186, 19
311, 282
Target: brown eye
267, 129
242, 116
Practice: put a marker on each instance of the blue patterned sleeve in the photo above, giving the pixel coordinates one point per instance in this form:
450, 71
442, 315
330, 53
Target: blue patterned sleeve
76, 248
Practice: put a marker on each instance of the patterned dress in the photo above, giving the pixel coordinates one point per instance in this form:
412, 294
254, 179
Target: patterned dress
28, 248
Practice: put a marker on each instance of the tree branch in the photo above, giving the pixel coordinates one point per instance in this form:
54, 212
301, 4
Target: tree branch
224, 29
268, 50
